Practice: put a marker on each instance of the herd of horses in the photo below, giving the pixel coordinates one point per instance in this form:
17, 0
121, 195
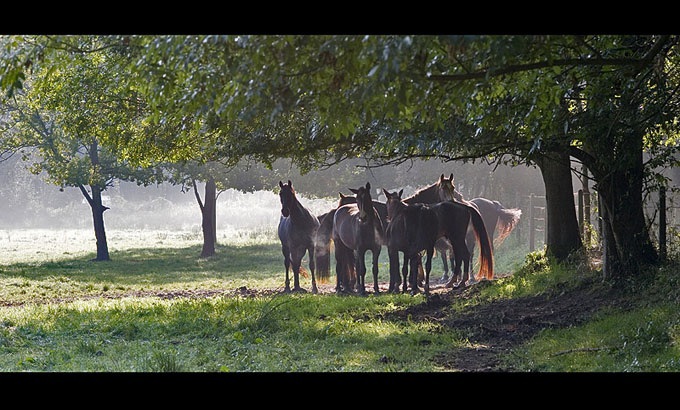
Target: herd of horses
435, 217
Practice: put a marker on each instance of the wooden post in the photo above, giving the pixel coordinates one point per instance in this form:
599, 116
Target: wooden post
662, 223
531, 223
586, 213
586, 205
518, 229
580, 212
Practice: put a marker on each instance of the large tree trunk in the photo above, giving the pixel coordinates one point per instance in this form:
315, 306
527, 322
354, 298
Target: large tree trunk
628, 246
618, 172
98, 209
208, 216
562, 224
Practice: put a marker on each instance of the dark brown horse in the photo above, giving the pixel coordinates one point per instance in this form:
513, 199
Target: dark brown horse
434, 194
412, 228
357, 228
431, 194
297, 232
422, 225
498, 221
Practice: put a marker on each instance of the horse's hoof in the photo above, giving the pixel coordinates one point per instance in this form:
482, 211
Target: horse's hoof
460, 285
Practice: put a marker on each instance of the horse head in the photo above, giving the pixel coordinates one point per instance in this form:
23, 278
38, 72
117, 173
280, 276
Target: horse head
394, 203
287, 196
364, 201
447, 189
345, 199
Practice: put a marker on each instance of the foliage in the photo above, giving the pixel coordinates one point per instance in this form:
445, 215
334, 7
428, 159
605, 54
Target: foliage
319, 100
65, 111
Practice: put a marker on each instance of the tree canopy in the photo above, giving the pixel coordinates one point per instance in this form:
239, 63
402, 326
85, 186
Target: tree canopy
320, 99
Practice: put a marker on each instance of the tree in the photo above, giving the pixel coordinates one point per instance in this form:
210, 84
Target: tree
514, 99
319, 100
215, 176
64, 112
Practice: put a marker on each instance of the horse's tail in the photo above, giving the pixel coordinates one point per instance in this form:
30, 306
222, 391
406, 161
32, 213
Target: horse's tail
507, 220
322, 246
485, 251
304, 272
346, 270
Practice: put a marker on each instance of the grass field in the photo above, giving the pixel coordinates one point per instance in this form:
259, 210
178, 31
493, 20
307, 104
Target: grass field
62, 312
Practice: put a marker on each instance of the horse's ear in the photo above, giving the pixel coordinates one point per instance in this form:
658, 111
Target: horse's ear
387, 194
356, 191
368, 186
281, 184
341, 195
290, 184
401, 191
441, 178
451, 178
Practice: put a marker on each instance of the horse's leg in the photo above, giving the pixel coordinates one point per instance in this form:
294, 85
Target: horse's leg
428, 268
286, 262
296, 261
470, 242
442, 252
467, 265
312, 267
458, 256
465, 258
452, 258
361, 271
351, 266
376, 255
404, 272
415, 261
395, 280
340, 268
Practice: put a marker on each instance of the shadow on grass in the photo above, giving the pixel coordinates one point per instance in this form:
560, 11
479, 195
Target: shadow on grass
156, 266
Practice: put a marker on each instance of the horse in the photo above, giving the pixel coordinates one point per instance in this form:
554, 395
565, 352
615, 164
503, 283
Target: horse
357, 228
431, 194
324, 238
412, 228
498, 221
297, 232
452, 219
324, 241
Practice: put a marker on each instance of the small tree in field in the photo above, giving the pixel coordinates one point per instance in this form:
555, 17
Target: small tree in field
58, 121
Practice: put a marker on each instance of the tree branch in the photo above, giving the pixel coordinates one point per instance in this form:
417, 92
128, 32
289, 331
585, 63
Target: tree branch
511, 69
198, 196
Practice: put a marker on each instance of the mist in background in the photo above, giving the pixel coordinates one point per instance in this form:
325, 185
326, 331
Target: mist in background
27, 201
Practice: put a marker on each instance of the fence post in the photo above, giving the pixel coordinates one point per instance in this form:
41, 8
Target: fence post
580, 212
586, 214
531, 223
518, 229
662, 223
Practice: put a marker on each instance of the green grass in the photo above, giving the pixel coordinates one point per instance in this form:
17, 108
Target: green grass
61, 312
641, 337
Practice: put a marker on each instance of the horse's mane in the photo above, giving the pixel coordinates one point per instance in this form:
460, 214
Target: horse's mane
421, 193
